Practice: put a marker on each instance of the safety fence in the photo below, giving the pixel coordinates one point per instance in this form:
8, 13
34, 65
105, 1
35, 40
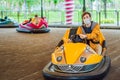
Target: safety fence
57, 17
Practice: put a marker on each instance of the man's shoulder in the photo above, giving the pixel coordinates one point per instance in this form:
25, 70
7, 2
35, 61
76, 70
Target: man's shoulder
94, 24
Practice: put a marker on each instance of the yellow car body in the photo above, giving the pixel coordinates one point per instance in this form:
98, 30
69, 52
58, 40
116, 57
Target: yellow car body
77, 61
72, 52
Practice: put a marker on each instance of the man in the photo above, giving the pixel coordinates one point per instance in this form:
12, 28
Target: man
36, 20
39, 22
90, 31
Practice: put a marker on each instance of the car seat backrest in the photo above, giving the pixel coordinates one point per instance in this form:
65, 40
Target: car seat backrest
72, 32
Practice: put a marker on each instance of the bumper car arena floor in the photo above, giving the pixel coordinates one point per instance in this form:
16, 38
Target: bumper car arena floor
23, 56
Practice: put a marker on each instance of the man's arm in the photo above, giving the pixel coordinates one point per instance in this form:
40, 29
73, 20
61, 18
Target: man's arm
95, 33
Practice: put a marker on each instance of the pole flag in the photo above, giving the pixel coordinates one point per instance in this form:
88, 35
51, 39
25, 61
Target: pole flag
69, 8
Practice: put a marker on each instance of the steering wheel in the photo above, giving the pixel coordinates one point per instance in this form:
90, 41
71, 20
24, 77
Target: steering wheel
76, 38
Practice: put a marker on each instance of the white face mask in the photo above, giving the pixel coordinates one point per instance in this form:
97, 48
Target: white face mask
87, 21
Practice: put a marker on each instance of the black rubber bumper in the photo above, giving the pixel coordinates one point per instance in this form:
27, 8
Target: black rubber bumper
23, 30
98, 74
9, 25
33, 31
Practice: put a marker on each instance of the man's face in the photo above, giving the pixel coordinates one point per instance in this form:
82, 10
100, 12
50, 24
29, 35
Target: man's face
87, 20
86, 16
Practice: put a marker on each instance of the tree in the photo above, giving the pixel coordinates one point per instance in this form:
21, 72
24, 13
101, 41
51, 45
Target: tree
91, 5
55, 2
104, 1
105, 7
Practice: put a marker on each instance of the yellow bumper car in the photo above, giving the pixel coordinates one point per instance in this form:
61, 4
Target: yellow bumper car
77, 61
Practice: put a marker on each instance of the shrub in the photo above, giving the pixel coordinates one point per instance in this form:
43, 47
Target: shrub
107, 21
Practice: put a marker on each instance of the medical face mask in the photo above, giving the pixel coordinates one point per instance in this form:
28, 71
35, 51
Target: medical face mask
87, 21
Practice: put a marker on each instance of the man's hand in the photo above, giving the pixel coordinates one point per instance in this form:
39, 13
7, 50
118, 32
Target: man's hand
83, 36
69, 41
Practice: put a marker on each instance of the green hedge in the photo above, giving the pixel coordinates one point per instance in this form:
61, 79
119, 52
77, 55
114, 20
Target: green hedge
107, 21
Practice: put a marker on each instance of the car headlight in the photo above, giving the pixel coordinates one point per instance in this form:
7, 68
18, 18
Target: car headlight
89, 50
82, 59
59, 58
62, 47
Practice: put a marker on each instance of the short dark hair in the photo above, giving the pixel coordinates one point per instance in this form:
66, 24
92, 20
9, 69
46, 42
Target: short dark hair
84, 13
36, 15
